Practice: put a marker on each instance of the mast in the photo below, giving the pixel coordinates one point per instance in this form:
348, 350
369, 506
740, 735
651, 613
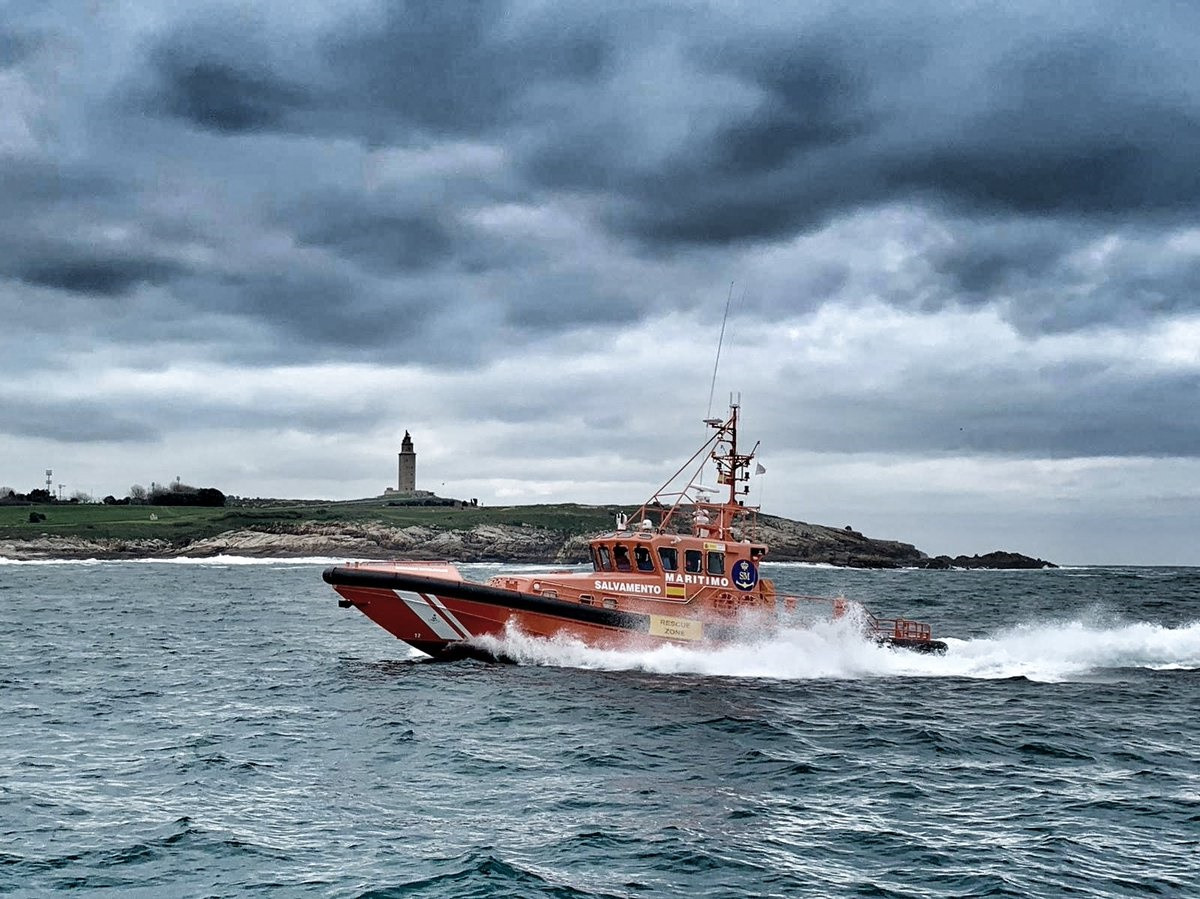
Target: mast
733, 475
713, 518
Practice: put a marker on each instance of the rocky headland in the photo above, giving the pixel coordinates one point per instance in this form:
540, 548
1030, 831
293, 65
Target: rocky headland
998, 559
790, 541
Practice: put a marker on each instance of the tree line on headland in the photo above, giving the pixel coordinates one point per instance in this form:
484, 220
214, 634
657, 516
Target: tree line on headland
174, 494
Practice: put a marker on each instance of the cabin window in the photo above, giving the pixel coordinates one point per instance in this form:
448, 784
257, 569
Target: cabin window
692, 560
621, 554
586, 599
669, 556
610, 602
641, 555
716, 563
603, 559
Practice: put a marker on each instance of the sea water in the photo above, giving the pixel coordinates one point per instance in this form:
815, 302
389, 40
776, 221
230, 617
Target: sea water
221, 727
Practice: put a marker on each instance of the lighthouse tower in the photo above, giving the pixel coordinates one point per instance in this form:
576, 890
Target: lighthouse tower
408, 466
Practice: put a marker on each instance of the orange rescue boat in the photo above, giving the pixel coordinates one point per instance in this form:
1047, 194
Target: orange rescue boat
684, 570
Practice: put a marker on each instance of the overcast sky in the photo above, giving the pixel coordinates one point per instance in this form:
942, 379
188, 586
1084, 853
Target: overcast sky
249, 245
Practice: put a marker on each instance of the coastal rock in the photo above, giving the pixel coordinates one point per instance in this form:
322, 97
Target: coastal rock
46, 546
993, 560
799, 541
264, 543
790, 541
482, 543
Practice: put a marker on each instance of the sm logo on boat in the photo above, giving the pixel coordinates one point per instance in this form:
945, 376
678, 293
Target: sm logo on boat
745, 575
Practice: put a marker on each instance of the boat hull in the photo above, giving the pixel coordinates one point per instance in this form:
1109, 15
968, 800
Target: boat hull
438, 616
442, 615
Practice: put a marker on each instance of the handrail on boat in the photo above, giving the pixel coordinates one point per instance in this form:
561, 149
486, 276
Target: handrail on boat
899, 628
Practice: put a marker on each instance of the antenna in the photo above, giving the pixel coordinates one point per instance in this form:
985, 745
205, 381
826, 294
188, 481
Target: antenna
50, 480
712, 388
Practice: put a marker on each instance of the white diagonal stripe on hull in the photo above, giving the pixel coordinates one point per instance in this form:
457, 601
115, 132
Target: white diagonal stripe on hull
429, 615
450, 616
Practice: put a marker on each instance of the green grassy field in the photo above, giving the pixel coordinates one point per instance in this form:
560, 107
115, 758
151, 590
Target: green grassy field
181, 524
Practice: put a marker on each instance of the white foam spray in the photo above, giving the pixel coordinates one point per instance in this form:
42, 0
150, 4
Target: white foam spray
1051, 651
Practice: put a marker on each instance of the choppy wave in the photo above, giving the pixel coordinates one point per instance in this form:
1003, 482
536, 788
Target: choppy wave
1052, 651
800, 565
209, 727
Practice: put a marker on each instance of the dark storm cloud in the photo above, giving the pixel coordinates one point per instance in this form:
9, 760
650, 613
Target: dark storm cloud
74, 421
224, 96
988, 258
14, 47
685, 131
312, 314
1047, 276
1057, 125
1076, 125
419, 67
803, 150
815, 94
1058, 410
105, 275
384, 233
221, 77
573, 299
31, 185
45, 206
308, 308
123, 419
455, 68
1053, 118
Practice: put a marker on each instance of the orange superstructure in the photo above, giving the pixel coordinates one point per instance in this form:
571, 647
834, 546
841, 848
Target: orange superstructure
683, 569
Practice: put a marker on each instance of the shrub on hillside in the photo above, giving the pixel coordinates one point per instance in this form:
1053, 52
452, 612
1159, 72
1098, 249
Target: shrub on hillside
204, 496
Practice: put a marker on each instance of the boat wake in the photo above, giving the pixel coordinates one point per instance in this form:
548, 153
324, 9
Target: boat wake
1051, 652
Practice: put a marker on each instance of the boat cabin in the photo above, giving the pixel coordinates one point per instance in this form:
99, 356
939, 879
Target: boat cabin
657, 554
700, 552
